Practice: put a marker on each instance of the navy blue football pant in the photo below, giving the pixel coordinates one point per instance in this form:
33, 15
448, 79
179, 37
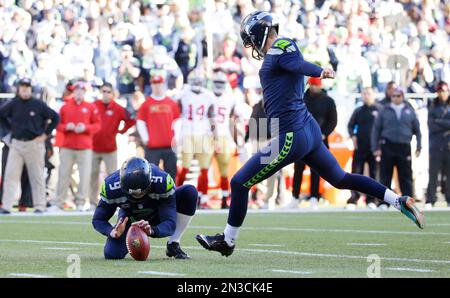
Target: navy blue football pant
306, 145
186, 197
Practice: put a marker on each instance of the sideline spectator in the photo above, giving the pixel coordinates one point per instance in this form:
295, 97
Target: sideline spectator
360, 128
80, 121
439, 145
30, 122
154, 123
104, 143
391, 140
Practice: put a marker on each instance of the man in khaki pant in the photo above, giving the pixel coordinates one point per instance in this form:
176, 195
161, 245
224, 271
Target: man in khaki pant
79, 122
27, 119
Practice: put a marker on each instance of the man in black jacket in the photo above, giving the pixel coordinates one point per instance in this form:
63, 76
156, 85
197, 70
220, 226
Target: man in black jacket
391, 140
439, 144
30, 122
360, 129
323, 109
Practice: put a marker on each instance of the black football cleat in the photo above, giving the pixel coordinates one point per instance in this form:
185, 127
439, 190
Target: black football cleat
174, 250
216, 243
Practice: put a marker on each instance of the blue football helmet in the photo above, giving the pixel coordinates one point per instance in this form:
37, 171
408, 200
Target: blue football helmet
255, 29
135, 177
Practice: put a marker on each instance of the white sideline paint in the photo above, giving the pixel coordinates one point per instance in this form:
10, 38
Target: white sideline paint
161, 273
291, 271
366, 244
253, 250
28, 275
267, 245
224, 211
53, 242
408, 269
60, 248
280, 229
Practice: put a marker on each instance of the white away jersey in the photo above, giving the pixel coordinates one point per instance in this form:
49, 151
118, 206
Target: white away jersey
195, 112
223, 106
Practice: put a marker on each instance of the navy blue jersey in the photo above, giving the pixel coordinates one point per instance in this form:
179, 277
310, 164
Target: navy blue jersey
158, 207
282, 79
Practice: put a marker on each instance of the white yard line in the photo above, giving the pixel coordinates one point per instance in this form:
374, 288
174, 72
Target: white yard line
408, 269
28, 275
366, 244
52, 242
220, 211
266, 245
60, 248
43, 222
291, 271
278, 229
253, 250
161, 273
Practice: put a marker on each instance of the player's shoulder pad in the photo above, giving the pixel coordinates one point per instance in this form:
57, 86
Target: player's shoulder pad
163, 185
110, 192
281, 46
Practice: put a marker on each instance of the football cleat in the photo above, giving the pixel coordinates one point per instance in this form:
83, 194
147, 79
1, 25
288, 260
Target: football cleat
410, 210
174, 250
216, 243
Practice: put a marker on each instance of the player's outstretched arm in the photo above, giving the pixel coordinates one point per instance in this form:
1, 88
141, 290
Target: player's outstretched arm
102, 215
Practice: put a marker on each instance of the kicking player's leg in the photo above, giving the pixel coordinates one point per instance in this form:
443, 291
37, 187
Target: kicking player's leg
282, 151
186, 196
326, 165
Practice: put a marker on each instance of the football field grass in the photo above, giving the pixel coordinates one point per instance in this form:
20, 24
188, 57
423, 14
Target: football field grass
271, 244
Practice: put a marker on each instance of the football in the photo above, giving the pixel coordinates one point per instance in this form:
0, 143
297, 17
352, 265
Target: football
137, 243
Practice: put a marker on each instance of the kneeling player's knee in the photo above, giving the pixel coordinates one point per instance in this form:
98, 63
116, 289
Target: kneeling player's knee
187, 199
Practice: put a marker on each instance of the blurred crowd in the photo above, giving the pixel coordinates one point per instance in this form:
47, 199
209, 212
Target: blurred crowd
134, 46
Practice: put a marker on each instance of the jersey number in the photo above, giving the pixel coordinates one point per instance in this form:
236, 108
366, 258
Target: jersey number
200, 111
221, 114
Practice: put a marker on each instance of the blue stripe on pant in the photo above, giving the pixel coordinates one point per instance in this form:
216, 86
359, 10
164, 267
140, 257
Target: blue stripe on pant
305, 144
186, 197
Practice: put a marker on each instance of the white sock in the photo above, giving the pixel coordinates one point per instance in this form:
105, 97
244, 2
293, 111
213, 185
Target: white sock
204, 199
231, 233
182, 223
391, 198
225, 193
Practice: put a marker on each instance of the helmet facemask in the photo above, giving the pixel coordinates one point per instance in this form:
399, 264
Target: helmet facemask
255, 30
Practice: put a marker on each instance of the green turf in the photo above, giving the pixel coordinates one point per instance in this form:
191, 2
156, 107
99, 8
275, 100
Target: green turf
313, 243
